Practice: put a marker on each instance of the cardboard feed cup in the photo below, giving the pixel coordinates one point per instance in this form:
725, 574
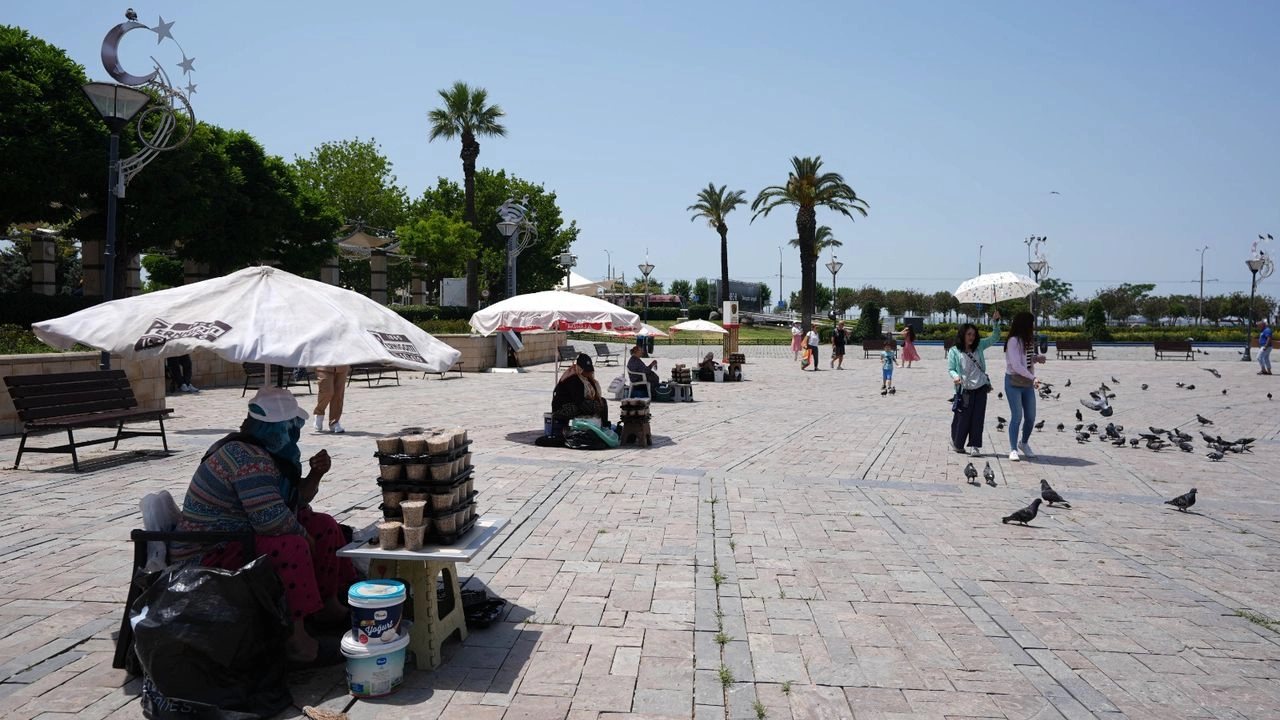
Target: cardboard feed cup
416, 471
442, 471
391, 499
389, 472
419, 496
459, 437
389, 445
389, 534
413, 510
438, 444
414, 444
441, 501
414, 535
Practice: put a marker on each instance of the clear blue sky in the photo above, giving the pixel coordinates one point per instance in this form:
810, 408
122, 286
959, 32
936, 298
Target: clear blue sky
1156, 121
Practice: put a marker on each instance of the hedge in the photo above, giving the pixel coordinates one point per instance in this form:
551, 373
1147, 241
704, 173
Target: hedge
23, 309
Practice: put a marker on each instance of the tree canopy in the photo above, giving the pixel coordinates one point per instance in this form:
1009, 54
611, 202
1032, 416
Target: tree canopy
354, 178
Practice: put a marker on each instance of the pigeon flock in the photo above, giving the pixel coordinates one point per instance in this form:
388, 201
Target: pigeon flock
1154, 438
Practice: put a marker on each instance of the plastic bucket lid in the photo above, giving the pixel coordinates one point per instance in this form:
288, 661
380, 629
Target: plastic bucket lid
376, 593
351, 648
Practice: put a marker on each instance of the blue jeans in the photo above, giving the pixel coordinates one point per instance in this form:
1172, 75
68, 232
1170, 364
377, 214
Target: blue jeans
1264, 357
1022, 411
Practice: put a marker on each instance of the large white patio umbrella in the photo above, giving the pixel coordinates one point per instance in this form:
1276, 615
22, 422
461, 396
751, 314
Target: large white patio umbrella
553, 310
699, 326
995, 287
259, 314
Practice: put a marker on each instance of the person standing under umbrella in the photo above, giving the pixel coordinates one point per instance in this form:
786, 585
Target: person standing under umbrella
1020, 383
968, 369
333, 390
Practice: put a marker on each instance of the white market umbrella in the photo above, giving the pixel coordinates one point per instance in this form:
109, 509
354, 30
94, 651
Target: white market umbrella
644, 329
554, 310
698, 326
995, 287
258, 314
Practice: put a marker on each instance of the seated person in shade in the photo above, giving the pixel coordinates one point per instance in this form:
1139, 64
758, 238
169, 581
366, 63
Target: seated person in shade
639, 372
252, 480
578, 395
707, 368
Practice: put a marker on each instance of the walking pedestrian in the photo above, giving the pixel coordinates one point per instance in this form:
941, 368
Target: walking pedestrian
1020, 383
1264, 348
888, 358
797, 336
838, 338
968, 369
812, 341
333, 390
909, 354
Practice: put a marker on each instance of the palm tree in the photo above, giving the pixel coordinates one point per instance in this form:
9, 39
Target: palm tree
807, 189
822, 239
465, 114
713, 204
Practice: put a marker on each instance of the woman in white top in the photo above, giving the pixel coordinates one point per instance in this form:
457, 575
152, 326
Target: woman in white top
796, 336
1020, 383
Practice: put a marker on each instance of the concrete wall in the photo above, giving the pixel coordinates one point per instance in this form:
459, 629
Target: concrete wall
146, 377
479, 353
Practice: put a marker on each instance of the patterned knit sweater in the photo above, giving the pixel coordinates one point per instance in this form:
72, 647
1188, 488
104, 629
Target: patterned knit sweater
237, 488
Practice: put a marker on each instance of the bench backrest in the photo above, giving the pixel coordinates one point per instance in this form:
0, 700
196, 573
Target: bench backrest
567, 352
38, 397
603, 349
1074, 344
877, 344
1175, 345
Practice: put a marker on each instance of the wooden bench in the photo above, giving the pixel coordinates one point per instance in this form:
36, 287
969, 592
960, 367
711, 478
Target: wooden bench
1072, 349
605, 355
1174, 347
370, 373
874, 347
70, 401
285, 377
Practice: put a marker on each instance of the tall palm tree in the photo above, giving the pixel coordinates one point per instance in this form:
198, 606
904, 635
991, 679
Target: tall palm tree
807, 189
466, 115
713, 204
822, 239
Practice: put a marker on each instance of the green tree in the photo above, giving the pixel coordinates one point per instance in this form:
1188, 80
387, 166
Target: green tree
683, 288
163, 272
1155, 308
1095, 321
539, 267
823, 238
443, 243
869, 321
1122, 301
466, 114
822, 298
766, 295
702, 288
713, 205
845, 298
355, 179
52, 141
15, 265
946, 303
808, 188
1069, 310
1051, 295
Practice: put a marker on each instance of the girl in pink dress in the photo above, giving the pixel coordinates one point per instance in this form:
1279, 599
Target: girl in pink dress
909, 354
796, 336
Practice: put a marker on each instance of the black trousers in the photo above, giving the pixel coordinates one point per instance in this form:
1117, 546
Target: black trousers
813, 358
966, 425
179, 369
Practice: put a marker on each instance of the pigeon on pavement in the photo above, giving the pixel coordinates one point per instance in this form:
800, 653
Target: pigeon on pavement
1212, 372
1050, 495
1061, 427
1203, 420
1067, 383
1025, 515
1144, 386
989, 475
1079, 416
971, 474
1191, 387
1040, 425
1214, 455
1182, 502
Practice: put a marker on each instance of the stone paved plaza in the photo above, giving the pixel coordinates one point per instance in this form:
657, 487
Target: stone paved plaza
793, 546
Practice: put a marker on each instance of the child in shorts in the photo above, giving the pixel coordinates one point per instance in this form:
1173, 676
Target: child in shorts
887, 360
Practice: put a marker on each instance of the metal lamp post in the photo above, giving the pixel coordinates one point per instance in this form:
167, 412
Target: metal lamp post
1255, 264
1200, 309
1036, 267
567, 261
834, 266
118, 104
645, 268
518, 227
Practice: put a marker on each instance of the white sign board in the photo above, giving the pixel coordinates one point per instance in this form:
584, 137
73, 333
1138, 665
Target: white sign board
453, 292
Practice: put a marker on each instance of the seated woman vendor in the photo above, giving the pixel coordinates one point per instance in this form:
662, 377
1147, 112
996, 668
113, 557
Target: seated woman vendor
252, 480
707, 368
640, 372
577, 395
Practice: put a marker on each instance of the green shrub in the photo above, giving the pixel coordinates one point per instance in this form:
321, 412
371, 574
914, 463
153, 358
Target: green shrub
18, 340
1095, 321
23, 309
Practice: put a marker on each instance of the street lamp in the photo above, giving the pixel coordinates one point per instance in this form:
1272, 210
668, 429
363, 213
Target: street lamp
609, 270
517, 226
1200, 310
1036, 267
645, 268
567, 261
1255, 264
834, 266
118, 104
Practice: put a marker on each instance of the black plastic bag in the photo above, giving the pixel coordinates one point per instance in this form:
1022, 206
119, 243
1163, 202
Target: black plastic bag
211, 642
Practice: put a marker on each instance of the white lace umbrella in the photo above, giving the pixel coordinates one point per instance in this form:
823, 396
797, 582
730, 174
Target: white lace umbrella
258, 314
995, 287
554, 310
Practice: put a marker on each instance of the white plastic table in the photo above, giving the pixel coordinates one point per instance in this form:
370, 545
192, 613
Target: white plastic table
435, 620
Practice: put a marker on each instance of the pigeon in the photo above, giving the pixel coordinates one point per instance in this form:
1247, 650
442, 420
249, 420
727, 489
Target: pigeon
1157, 431
1191, 387
1098, 403
1212, 372
1079, 427
1118, 442
971, 474
1039, 426
1000, 395
989, 475
1214, 455
1182, 502
1058, 396
1050, 495
1181, 384
1091, 427
893, 391
1203, 420
1144, 386
1208, 438
1268, 396
1183, 436
130, 15
1079, 416
1026, 514
1114, 380
1067, 383
1185, 446
1133, 442
1061, 427
1157, 444
1224, 391
1082, 437
884, 392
